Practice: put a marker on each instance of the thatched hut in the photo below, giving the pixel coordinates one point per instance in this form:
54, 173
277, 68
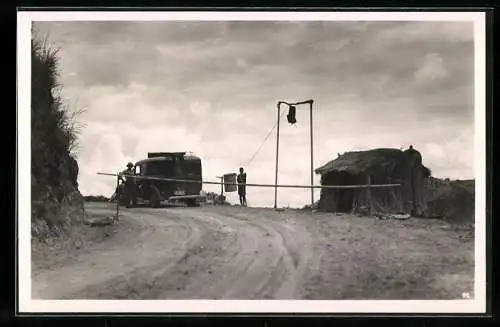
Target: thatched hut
378, 166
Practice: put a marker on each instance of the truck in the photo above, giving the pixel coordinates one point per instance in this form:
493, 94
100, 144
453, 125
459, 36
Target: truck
155, 192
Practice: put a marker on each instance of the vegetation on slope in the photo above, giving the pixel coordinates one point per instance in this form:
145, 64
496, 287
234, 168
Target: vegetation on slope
56, 201
453, 201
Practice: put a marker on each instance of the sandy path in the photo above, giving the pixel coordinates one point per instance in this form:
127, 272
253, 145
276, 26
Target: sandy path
187, 253
249, 253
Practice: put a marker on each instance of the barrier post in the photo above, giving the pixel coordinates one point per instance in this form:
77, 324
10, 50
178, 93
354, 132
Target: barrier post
117, 197
312, 152
221, 188
310, 102
369, 194
277, 154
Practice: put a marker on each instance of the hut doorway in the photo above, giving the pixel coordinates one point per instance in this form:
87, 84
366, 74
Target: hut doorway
345, 197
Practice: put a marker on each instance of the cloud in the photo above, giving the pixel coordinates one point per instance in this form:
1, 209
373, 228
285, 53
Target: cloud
432, 69
212, 88
449, 158
429, 32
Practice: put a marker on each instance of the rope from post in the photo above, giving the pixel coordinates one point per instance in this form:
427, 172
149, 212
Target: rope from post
264, 141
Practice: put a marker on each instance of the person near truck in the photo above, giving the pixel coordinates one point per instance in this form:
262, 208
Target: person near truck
129, 183
241, 179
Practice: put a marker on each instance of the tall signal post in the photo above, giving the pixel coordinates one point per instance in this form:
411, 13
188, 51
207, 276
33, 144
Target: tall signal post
291, 119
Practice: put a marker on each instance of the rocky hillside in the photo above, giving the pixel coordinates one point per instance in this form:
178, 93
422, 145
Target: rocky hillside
56, 201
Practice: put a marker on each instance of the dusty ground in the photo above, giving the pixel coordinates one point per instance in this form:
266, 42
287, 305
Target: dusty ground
252, 253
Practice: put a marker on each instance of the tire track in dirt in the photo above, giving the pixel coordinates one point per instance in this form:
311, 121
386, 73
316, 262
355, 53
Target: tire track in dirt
299, 261
268, 260
255, 253
304, 257
188, 253
85, 275
248, 265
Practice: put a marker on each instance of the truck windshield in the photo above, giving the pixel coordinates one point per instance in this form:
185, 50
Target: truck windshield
192, 169
138, 170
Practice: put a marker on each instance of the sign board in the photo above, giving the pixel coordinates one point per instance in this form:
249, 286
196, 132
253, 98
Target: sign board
228, 180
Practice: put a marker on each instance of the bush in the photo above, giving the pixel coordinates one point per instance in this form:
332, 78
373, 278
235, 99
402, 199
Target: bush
215, 198
453, 201
95, 198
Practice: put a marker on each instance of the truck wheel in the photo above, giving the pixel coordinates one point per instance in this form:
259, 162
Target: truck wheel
132, 203
155, 197
124, 200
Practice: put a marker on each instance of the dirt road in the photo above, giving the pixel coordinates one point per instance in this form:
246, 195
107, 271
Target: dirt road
251, 253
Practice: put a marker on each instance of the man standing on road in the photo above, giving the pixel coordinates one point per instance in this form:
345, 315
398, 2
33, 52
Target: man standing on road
242, 181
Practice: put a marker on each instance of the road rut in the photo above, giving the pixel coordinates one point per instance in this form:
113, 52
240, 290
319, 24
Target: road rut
188, 253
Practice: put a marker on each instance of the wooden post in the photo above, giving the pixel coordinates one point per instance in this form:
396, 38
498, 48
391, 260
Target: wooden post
413, 197
221, 188
117, 196
312, 152
401, 199
369, 195
354, 204
277, 154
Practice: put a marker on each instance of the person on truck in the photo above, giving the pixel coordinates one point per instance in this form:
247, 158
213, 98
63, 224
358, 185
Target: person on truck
129, 183
242, 181
129, 171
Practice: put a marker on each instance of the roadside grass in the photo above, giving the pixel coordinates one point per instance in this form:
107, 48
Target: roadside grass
368, 258
76, 239
388, 259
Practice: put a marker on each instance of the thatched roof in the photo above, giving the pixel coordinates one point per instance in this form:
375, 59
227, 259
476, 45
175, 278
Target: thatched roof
360, 162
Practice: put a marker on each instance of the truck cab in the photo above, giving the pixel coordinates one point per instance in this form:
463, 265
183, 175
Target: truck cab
169, 165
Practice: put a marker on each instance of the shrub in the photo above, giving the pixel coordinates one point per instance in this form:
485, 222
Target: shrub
451, 200
95, 198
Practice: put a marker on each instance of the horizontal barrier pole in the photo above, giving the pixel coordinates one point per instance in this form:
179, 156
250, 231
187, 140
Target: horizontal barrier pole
260, 185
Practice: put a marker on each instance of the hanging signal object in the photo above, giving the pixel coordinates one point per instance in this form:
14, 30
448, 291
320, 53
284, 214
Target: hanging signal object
291, 115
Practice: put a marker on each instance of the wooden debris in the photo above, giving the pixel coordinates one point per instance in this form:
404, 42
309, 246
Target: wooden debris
101, 221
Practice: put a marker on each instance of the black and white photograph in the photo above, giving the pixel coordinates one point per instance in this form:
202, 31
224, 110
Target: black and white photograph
313, 161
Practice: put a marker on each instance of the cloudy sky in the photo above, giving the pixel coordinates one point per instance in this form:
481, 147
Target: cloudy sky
212, 88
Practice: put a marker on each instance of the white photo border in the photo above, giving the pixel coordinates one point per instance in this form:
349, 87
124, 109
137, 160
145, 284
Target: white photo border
27, 305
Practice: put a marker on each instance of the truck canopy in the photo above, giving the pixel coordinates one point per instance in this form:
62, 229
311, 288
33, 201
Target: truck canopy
166, 154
